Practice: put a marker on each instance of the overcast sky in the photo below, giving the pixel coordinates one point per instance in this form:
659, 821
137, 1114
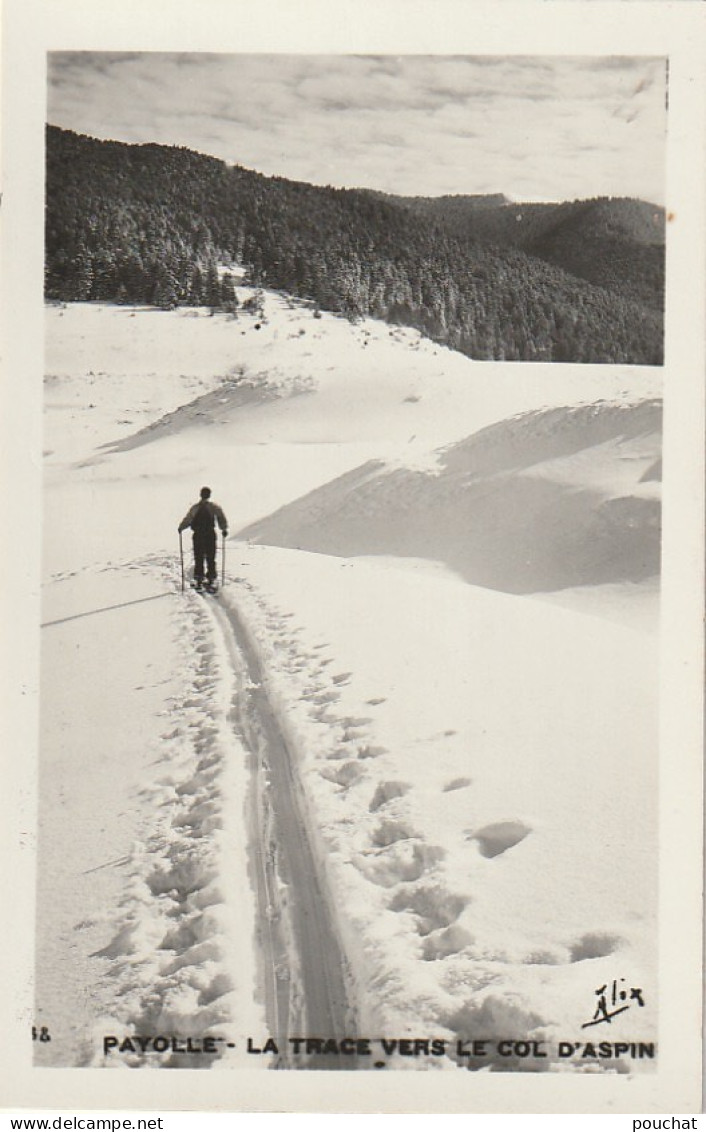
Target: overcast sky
535, 128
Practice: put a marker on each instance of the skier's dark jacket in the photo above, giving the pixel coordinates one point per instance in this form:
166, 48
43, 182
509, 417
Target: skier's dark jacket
203, 516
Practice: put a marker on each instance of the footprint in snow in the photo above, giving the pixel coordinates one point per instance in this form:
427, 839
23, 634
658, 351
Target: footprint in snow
447, 941
457, 784
343, 776
390, 831
402, 862
434, 907
370, 752
338, 755
326, 697
499, 837
594, 945
350, 734
385, 793
323, 714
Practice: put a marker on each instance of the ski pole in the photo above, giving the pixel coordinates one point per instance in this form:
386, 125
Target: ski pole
181, 556
223, 563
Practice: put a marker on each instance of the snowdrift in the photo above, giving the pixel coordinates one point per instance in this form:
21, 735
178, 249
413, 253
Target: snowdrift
548, 500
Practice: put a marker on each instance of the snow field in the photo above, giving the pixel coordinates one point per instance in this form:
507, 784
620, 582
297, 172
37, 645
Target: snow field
93, 752
113, 370
478, 768
179, 956
439, 803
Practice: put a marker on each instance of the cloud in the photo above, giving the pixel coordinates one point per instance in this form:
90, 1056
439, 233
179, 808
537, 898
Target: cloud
549, 126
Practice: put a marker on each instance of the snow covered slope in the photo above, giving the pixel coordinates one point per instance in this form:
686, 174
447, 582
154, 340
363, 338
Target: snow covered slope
477, 768
551, 499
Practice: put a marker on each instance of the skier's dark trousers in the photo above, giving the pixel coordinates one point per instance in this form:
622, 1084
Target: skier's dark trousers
202, 518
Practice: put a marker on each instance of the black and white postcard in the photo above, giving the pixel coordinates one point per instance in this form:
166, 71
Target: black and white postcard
353, 420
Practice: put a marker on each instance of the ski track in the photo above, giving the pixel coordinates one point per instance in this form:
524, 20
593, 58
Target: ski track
304, 966
167, 966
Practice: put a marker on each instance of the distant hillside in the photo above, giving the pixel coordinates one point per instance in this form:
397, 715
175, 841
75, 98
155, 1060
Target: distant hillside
615, 243
494, 218
152, 224
446, 206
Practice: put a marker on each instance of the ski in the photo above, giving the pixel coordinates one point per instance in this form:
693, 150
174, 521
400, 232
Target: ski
205, 589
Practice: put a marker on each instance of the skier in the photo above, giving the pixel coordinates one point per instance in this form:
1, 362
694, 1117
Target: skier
202, 518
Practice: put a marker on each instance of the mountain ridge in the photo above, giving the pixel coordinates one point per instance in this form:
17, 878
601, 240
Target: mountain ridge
151, 223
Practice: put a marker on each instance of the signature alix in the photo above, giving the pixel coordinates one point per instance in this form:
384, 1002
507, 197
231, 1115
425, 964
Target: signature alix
614, 998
